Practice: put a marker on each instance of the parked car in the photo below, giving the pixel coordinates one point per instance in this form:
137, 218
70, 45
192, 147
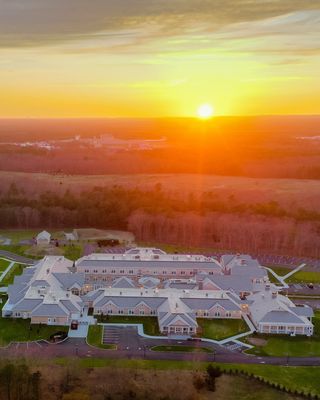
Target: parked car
310, 285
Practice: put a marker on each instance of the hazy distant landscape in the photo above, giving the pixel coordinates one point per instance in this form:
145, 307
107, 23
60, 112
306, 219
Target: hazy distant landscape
259, 147
241, 184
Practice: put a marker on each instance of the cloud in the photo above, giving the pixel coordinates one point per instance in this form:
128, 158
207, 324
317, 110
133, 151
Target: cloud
44, 22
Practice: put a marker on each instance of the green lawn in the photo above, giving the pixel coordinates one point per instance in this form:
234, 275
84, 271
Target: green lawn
304, 276
16, 235
150, 324
94, 338
184, 349
295, 378
219, 329
72, 252
3, 264
17, 269
300, 276
282, 345
16, 249
20, 330
287, 346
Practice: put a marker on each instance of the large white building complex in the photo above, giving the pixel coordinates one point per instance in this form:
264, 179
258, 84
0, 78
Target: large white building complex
177, 289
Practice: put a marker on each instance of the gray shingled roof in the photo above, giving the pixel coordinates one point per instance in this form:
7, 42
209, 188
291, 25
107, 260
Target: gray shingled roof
189, 319
16, 293
181, 286
67, 280
284, 317
304, 311
93, 295
133, 264
252, 272
49, 310
238, 283
207, 304
123, 283
27, 305
39, 283
69, 306
126, 301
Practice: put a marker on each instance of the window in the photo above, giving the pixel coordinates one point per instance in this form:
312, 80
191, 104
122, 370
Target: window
164, 272
217, 314
141, 312
130, 271
183, 272
173, 273
113, 271
86, 271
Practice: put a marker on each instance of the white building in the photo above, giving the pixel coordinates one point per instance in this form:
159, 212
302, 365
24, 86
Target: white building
43, 238
177, 289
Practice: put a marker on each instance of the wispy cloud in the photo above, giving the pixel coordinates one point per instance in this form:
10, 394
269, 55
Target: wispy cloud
43, 22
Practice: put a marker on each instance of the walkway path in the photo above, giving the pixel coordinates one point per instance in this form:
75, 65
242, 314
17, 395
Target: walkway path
7, 270
285, 277
282, 279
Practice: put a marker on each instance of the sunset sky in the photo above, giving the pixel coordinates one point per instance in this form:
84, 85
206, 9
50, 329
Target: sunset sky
137, 58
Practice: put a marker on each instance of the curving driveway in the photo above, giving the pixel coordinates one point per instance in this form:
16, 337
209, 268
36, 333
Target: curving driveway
132, 346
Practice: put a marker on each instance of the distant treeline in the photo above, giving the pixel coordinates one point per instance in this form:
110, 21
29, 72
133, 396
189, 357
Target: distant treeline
158, 216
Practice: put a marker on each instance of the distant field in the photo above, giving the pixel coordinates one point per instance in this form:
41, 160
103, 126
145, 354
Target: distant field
303, 193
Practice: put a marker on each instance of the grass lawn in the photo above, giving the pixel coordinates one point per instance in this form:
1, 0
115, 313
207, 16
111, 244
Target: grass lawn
14, 271
150, 324
295, 378
184, 349
291, 346
287, 346
16, 249
219, 329
300, 276
72, 252
94, 338
3, 264
16, 235
304, 276
20, 330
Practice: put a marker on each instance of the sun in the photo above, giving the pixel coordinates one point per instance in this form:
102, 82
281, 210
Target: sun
205, 111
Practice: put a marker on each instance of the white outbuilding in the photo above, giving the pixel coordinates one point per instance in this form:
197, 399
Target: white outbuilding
43, 238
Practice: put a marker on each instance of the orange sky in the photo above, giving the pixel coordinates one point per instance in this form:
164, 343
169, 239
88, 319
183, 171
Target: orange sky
148, 59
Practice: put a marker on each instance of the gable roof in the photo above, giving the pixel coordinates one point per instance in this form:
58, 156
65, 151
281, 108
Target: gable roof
127, 301
123, 283
49, 310
207, 304
282, 317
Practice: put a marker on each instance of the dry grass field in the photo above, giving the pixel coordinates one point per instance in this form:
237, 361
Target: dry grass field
287, 192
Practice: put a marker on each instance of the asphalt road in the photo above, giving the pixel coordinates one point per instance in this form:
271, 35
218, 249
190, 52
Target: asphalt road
17, 258
132, 346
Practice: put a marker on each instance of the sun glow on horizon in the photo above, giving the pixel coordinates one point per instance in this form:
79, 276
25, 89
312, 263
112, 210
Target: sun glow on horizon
205, 111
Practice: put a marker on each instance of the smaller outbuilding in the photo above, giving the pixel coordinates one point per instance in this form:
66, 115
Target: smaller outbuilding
43, 238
